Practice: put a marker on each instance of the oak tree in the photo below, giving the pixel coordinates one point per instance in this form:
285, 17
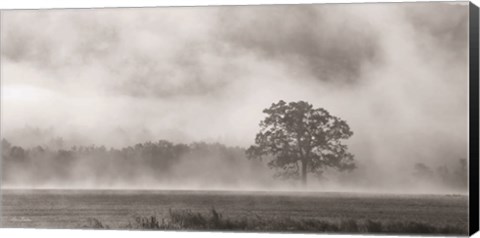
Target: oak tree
300, 139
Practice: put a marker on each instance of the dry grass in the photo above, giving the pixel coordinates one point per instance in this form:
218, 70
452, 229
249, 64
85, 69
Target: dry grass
188, 220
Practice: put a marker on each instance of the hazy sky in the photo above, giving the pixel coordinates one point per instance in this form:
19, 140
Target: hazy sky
397, 73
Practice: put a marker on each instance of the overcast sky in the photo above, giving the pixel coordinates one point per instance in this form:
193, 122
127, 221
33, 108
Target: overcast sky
397, 73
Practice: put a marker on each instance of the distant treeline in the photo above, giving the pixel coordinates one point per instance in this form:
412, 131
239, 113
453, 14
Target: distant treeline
142, 163
163, 163
455, 176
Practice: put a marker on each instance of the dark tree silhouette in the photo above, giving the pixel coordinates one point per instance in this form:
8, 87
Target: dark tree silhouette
301, 139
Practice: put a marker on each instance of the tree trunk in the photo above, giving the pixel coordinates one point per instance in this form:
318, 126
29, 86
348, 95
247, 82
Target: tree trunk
304, 172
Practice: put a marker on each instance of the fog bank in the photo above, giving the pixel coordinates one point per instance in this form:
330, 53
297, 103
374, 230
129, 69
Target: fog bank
396, 72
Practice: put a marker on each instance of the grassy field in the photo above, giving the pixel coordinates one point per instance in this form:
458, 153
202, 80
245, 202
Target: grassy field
189, 210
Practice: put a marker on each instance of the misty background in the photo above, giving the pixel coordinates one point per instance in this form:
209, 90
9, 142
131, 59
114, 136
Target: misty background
90, 84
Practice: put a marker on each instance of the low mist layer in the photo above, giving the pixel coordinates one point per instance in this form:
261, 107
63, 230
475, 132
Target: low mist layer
165, 165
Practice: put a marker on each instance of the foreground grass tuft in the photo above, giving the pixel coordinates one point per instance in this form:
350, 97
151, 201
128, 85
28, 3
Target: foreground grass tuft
95, 224
213, 220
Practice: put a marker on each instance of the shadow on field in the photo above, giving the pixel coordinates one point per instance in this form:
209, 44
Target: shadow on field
188, 220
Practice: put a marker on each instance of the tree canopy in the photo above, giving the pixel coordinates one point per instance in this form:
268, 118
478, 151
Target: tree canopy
301, 139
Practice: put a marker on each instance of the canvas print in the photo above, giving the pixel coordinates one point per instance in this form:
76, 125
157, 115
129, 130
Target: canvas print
323, 118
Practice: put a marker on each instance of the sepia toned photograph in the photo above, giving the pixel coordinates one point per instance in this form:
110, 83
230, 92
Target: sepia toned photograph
300, 118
